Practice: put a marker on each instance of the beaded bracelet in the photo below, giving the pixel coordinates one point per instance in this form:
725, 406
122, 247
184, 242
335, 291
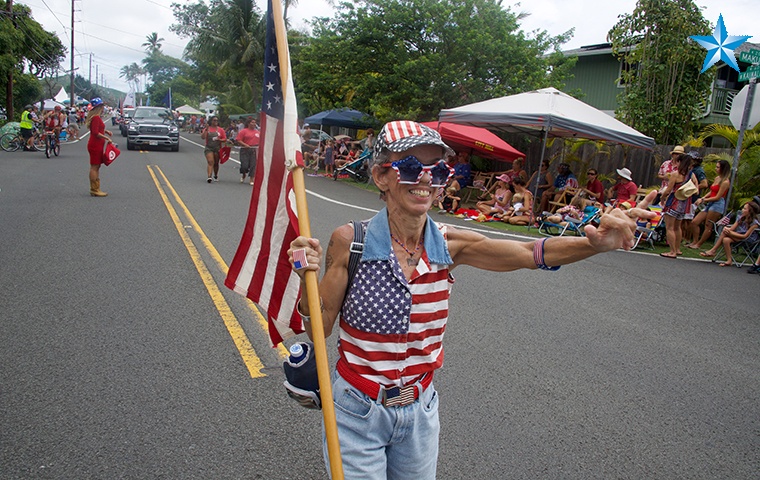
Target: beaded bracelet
538, 256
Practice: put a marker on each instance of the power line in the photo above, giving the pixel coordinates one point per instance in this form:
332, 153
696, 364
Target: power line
54, 15
116, 29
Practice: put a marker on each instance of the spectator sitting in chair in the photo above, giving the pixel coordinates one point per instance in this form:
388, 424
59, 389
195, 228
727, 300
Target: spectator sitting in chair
625, 190
540, 180
744, 229
565, 179
593, 192
522, 204
499, 202
573, 211
462, 170
450, 200
352, 155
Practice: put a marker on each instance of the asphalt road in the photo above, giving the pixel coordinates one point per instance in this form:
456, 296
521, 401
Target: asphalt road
116, 361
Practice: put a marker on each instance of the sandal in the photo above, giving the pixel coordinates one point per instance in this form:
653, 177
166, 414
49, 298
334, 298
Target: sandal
706, 255
724, 264
666, 255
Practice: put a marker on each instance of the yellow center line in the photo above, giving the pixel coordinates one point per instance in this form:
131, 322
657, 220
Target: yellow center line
250, 359
282, 351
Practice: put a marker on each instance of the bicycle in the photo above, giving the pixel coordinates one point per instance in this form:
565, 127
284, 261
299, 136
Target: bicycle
52, 143
10, 142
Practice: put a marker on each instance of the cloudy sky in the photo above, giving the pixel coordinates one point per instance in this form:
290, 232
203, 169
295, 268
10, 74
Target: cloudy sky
111, 32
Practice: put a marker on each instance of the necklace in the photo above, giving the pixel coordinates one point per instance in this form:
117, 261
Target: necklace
409, 261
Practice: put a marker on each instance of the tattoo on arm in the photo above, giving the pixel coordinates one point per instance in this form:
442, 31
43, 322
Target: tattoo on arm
328, 262
328, 258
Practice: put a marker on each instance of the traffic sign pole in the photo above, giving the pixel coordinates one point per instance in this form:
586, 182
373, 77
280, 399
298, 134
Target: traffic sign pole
745, 120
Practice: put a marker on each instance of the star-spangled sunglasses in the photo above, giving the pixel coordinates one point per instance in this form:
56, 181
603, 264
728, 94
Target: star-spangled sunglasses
410, 171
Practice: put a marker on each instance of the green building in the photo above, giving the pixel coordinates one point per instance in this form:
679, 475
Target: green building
597, 74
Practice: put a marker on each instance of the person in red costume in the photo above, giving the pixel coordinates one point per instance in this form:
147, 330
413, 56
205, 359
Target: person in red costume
99, 136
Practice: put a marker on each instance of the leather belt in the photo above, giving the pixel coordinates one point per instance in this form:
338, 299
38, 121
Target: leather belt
387, 396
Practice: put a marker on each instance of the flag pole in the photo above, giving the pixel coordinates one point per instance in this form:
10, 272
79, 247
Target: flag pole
312, 285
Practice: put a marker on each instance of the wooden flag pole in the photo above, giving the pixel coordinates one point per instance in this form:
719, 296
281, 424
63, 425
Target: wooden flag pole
318, 336
312, 285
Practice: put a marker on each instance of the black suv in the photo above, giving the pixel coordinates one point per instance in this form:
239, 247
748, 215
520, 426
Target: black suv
152, 127
123, 120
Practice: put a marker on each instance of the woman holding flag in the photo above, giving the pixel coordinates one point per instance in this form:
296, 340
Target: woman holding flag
393, 308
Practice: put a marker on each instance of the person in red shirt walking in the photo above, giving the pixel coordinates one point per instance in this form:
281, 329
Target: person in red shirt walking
215, 137
248, 139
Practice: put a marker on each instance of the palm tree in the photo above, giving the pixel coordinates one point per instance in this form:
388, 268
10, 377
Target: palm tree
234, 32
153, 42
131, 73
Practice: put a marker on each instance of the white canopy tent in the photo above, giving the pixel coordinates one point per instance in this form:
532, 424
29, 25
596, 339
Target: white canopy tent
61, 95
550, 111
188, 110
49, 104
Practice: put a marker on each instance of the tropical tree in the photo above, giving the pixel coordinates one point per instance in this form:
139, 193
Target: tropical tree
152, 42
410, 58
163, 68
27, 53
226, 37
168, 72
747, 183
664, 91
132, 73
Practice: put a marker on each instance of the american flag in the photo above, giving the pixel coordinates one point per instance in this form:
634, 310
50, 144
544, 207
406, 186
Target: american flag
261, 270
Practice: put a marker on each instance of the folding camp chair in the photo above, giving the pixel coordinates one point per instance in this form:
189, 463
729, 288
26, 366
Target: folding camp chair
725, 221
566, 196
742, 253
571, 225
358, 169
650, 232
481, 182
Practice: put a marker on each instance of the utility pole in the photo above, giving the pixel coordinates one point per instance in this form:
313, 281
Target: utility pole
72, 104
9, 87
89, 75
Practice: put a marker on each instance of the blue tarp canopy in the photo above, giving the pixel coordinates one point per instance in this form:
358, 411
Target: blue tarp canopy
344, 117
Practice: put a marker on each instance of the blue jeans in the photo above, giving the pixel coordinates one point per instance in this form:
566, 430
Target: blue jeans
379, 443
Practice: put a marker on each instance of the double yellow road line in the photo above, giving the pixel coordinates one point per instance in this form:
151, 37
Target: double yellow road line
238, 335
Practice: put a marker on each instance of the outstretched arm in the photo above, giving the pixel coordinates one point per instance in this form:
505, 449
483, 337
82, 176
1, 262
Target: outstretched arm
615, 231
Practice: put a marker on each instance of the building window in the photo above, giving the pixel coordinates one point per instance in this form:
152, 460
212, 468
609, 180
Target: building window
626, 67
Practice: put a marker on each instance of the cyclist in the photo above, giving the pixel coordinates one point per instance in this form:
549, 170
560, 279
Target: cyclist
53, 124
54, 120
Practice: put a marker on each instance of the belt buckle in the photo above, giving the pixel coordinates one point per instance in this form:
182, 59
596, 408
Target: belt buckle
398, 396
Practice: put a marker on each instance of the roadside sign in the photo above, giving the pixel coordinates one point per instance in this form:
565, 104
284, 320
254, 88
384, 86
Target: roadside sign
751, 72
737, 110
750, 57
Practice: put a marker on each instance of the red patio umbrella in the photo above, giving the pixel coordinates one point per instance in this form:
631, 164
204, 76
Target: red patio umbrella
479, 140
